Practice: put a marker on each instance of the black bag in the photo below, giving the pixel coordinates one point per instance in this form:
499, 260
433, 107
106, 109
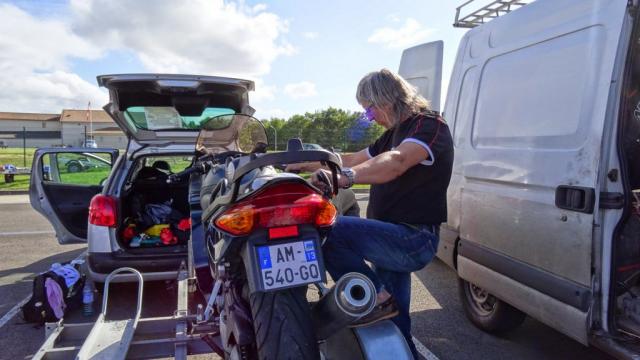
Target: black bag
37, 309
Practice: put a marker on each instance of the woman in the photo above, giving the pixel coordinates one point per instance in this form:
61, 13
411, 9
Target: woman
409, 168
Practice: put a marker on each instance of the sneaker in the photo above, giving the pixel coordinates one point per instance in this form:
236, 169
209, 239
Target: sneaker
386, 310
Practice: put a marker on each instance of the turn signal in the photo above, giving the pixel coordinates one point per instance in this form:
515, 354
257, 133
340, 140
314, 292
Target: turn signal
102, 211
237, 221
326, 214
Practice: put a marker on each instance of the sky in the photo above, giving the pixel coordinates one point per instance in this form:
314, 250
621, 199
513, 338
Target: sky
304, 55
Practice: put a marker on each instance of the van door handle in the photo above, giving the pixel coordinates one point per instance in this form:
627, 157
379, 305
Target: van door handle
575, 198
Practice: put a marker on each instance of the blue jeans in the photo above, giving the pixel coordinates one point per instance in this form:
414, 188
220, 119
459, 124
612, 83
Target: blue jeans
394, 250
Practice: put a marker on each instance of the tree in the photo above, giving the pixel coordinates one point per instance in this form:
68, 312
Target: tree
330, 128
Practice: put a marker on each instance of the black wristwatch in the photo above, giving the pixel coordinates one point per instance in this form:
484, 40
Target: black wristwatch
350, 175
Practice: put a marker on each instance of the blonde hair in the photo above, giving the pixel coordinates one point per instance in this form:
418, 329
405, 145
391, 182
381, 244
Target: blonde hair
384, 87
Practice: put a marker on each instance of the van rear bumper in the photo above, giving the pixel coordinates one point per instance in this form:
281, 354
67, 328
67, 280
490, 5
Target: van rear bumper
152, 268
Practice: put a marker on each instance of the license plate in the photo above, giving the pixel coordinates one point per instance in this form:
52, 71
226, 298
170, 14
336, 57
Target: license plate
289, 264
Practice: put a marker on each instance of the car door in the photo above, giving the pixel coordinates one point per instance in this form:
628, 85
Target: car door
63, 182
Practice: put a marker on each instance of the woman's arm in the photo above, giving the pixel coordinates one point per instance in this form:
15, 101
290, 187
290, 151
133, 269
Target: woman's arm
348, 160
353, 159
385, 167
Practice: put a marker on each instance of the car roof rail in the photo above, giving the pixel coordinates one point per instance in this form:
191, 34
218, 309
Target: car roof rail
490, 11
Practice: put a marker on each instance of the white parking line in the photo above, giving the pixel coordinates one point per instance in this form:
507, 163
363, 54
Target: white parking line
14, 310
15, 233
9, 315
423, 350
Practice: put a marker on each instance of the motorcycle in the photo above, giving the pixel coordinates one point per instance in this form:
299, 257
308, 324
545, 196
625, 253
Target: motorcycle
256, 248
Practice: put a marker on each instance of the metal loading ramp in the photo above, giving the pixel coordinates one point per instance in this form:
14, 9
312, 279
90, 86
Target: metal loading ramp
136, 338
486, 13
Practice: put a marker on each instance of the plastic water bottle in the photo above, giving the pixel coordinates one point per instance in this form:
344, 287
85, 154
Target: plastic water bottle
87, 299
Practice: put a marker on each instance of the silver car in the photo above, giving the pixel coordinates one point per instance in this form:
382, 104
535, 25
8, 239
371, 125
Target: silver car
121, 203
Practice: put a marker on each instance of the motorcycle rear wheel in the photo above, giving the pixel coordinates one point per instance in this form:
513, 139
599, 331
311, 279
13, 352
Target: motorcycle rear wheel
282, 323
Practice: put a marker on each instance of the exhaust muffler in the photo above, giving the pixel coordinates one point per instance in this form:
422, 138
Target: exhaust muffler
352, 297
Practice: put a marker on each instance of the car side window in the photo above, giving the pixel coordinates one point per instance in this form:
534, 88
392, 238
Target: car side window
76, 168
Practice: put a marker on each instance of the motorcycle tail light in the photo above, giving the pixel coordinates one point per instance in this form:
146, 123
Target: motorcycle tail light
102, 211
283, 232
276, 207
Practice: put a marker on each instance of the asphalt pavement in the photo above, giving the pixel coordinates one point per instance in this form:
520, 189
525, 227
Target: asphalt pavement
28, 246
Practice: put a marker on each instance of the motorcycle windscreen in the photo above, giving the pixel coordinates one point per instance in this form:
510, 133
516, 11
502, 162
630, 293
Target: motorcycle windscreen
233, 132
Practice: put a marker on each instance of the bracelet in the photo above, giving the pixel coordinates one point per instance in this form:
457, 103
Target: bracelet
350, 175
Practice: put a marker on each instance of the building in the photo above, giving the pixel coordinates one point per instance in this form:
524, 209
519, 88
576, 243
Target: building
70, 128
97, 124
38, 129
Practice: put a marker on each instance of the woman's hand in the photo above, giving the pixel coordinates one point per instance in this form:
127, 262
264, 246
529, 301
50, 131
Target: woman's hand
316, 179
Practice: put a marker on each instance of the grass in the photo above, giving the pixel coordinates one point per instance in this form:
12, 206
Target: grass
15, 156
20, 182
91, 177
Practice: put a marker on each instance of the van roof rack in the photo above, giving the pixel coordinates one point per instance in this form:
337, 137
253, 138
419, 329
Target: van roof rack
488, 12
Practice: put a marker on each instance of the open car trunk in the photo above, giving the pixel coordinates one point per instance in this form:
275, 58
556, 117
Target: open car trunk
154, 214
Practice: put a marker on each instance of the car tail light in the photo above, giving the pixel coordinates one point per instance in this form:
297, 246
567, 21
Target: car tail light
278, 206
102, 211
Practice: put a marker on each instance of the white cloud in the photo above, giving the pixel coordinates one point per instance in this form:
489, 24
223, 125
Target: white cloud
211, 37
34, 57
411, 33
259, 8
262, 93
48, 92
310, 35
300, 90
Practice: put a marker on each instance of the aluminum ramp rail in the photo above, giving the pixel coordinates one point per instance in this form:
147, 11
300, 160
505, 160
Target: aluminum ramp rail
486, 13
167, 336
110, 339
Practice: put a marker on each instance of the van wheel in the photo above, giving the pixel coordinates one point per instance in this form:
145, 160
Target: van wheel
487, 312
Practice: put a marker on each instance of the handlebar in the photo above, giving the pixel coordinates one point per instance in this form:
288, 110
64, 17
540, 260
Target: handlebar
200, 168
203, 164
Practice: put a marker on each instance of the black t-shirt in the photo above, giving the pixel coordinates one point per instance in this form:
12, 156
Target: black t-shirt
419, 196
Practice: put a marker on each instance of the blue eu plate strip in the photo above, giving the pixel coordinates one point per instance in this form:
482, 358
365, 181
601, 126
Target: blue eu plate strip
265, 257
309, 250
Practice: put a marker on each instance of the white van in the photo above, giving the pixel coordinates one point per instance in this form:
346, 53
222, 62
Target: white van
544, 108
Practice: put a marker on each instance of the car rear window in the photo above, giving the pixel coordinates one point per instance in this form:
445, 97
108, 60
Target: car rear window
168, 118
169, 164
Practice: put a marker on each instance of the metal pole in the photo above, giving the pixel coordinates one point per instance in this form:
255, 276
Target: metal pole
24, 146
275, 138
85, 136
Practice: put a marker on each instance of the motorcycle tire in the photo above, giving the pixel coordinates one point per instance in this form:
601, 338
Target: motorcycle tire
283, 327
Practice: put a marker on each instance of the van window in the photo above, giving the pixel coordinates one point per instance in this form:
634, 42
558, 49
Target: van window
539, 96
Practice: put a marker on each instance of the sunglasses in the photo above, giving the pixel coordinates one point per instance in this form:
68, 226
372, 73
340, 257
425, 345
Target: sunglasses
369, 113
